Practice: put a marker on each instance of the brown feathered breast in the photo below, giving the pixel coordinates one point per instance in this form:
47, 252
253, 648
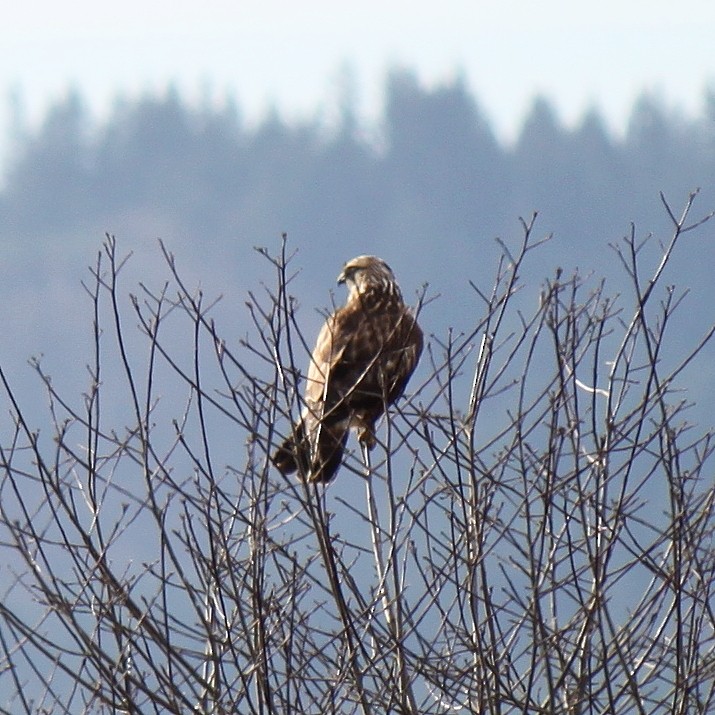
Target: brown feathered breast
364, 356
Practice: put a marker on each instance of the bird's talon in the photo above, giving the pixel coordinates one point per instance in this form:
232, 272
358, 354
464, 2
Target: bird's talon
367, 438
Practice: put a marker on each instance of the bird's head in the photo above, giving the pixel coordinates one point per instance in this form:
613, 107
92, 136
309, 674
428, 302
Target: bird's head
367, 273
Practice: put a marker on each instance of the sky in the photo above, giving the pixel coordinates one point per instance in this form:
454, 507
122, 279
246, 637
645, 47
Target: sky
290, 55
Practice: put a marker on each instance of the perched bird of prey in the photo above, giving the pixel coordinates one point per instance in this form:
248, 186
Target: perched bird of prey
364, 356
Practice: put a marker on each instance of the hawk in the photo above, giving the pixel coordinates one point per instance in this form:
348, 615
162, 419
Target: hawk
365, 353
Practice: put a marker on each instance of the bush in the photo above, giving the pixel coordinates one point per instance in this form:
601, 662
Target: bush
535, 532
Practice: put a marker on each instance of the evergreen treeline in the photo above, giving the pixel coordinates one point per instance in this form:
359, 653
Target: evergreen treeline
439, 174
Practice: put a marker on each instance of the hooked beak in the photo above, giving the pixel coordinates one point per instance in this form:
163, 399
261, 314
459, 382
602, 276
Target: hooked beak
341, 278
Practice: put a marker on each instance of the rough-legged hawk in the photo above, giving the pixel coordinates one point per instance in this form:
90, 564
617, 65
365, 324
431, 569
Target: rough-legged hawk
364, 356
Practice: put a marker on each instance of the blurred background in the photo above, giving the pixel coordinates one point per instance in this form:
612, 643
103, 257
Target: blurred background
420, 132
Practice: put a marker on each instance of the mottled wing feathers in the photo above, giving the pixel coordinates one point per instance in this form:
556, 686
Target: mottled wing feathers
367, 353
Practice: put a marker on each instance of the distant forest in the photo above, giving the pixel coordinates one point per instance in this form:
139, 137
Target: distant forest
436, 173
429, 190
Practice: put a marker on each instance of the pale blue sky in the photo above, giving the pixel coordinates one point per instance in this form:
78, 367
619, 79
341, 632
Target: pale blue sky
289, 53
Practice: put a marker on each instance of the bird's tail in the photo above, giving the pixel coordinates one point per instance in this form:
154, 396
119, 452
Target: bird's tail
314, 465
294, 454
329, 451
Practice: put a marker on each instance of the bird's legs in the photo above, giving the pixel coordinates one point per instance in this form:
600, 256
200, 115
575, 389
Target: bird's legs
365, 431
366, 436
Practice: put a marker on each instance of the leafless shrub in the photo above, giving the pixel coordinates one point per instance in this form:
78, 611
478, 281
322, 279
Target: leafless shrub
534, 532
